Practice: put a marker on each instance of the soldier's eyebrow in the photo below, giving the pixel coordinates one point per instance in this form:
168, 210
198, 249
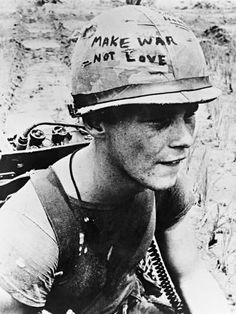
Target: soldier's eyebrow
157, 114
160, 113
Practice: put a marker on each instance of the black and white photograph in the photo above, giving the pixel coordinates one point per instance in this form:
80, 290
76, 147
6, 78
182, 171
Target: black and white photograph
117, 157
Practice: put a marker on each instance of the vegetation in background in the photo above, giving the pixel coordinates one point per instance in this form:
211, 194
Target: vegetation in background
42, 36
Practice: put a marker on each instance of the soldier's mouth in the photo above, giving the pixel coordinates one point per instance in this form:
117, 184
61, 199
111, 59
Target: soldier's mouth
172, 162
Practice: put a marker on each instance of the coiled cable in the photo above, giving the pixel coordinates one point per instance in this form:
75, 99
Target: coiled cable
159, 275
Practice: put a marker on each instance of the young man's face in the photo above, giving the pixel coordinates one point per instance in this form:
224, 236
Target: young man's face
150, 146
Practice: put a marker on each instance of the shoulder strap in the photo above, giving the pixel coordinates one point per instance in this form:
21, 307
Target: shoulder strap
59, 212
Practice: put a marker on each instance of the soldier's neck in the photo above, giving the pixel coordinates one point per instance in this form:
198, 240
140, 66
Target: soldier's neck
99, 181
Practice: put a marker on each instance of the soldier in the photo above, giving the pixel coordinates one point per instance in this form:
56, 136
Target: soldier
138, 77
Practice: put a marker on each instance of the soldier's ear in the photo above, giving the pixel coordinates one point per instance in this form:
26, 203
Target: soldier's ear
95, 128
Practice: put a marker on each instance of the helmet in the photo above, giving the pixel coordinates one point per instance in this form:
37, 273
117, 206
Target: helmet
135, 55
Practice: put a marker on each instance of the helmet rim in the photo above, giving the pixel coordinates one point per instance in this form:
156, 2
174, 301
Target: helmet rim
203, 95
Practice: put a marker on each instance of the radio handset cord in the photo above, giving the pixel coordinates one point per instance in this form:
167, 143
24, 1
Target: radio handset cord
159, 276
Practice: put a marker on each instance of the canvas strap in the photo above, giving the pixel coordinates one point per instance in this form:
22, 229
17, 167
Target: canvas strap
59, 212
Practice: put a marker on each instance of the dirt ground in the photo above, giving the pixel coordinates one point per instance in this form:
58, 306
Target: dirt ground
36, 40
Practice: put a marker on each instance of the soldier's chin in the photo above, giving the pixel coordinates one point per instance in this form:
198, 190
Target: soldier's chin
163, 183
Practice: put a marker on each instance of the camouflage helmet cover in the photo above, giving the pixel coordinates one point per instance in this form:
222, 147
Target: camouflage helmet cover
132, 55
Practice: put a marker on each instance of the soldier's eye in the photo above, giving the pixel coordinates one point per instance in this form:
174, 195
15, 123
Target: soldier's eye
160, 123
